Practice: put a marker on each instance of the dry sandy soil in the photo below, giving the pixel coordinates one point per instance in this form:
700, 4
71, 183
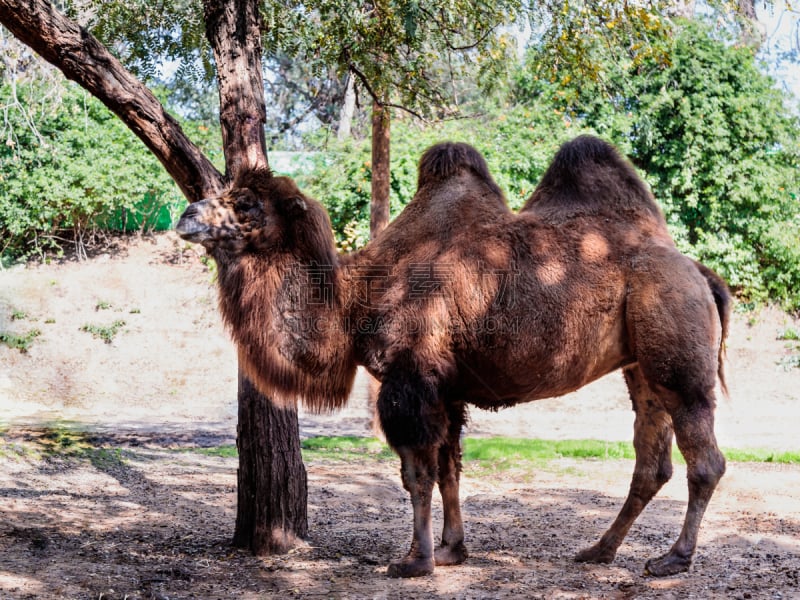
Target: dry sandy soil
139, 514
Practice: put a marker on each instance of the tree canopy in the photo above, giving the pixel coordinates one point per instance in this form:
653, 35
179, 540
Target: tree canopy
689, 104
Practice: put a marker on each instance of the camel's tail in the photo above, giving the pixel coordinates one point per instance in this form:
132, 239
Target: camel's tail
724, 301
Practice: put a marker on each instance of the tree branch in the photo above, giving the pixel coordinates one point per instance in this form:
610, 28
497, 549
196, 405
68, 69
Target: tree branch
83, 59
375, 98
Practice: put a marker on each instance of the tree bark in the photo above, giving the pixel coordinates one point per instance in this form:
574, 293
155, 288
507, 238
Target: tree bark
271, 513
381, 173
272, 492
83, 59
271, 478
348, 109
753, 33
234, 30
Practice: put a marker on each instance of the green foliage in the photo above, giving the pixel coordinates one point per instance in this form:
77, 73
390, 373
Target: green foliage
714, 138
145, 33
104, 332
518, 143
723, 155
19, 342
67, 163
404, 52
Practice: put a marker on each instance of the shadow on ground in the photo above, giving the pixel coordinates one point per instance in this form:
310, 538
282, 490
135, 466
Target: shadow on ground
91, 518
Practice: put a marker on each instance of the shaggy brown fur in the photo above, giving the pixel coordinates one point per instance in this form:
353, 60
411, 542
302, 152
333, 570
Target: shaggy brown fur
460, 301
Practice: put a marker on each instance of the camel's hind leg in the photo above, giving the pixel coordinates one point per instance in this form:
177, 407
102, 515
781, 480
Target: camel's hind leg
693, 419
652, 440
675, 328
451, 551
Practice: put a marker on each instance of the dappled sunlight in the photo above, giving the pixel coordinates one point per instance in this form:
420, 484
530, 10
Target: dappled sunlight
22, 584
594, 247
159, 522
551, 272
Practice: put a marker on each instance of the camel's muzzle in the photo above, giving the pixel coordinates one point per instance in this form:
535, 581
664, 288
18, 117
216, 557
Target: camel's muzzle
190, 228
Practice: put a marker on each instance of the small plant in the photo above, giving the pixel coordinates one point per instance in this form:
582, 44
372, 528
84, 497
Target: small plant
102, 305
136, 311
790, 334
20, 342
18, 315
49, 321
105, 333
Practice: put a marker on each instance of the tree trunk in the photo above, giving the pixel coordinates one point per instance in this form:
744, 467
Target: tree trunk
381, 173
272, 493
234, 30
753, 33
348, 109
271, 477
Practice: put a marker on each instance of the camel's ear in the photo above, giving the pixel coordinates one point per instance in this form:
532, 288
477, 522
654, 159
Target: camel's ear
296, 204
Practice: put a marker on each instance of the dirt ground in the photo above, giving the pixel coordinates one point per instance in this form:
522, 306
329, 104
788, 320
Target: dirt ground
139, 513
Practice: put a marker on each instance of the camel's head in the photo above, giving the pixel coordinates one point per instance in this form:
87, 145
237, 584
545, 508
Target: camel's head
252, 216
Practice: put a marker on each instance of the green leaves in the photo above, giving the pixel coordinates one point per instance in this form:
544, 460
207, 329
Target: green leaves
404, 52
69, 163
722, 153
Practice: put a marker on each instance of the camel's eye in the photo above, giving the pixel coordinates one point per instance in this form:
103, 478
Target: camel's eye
245, 204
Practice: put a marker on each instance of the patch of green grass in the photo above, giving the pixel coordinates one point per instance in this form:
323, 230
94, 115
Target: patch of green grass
500, 453
761, 455
18, 315
19, 342
492, 449
105, 333
229, 451
789, 334
102, 305
65, 440
347, 447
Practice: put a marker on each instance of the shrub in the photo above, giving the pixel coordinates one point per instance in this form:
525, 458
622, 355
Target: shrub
66, 165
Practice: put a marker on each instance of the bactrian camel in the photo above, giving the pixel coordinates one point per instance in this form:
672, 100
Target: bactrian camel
461, 301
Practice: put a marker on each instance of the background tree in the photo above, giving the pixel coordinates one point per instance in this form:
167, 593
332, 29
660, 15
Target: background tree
403, 54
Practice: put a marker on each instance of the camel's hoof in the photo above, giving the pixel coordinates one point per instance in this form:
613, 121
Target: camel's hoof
410, 567
446, 556
596, 554
669, 564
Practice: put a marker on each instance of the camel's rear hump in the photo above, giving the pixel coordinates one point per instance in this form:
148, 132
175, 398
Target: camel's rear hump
589, 176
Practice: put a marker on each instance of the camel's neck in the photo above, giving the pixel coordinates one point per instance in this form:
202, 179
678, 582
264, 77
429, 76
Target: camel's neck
286, 315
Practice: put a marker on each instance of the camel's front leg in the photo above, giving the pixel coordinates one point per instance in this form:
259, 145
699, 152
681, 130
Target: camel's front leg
414, 419
451, 551
418, 473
